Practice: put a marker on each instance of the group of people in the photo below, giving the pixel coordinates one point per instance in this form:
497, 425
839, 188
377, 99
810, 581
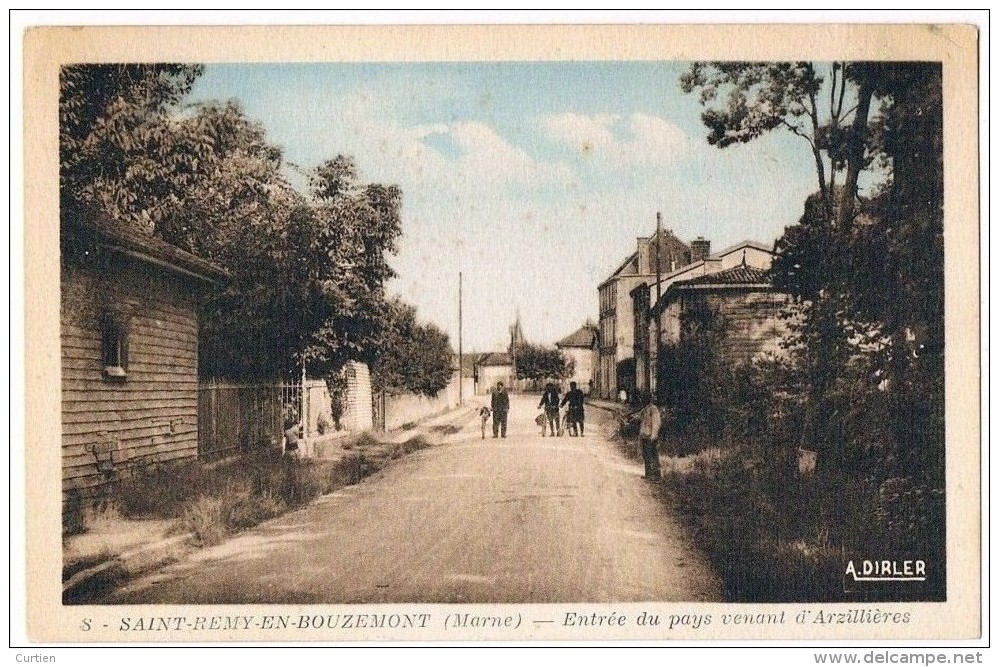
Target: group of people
551, 401
650, 419
574, 422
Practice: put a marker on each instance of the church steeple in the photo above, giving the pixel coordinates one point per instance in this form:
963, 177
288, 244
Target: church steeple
516, 334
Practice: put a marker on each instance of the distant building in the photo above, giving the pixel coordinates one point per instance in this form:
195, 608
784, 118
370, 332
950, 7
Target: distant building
582, 347
616, 366
490, 368
517, 339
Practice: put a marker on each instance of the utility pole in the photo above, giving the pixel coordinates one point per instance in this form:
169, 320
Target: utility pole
461, 358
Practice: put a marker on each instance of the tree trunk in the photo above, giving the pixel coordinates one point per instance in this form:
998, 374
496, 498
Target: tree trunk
855, 154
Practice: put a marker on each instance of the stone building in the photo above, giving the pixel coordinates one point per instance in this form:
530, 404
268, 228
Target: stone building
490, 368
649, 307
751, 312
656, 255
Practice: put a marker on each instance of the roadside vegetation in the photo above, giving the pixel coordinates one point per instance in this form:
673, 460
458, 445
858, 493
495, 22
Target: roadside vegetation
787, 467
213, 501
307, 251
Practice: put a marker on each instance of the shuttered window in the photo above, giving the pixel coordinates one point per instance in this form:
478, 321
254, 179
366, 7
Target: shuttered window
114, 348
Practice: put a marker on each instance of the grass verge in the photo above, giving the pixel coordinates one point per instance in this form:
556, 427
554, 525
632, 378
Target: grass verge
214, 501
777, 536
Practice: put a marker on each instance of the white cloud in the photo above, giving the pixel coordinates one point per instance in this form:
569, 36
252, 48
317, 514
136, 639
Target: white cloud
487, 158
638, 139
584, 133
656, 139
483, 164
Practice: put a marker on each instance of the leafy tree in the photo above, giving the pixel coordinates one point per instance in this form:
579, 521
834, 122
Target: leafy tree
868, 271
535, 362
308, 274
760, 97
685, 369
113, 122
415, 356
358, 224
307, 270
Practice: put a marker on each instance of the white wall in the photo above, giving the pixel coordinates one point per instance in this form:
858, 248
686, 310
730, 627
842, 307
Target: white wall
490, 375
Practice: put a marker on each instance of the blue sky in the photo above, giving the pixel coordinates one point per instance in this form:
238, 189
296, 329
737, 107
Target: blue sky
532, 179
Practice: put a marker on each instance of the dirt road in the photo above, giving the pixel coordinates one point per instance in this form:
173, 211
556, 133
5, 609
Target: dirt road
521, 519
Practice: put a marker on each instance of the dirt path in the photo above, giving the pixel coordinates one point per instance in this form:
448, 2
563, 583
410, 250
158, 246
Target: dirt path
521, 519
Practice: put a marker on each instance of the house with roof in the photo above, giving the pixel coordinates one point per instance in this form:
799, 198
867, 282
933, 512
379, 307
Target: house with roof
660, 254
648, 321
582, 347
490, 368
129, 342
735, 286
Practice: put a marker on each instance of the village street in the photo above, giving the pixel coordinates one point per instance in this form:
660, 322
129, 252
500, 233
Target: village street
521, 519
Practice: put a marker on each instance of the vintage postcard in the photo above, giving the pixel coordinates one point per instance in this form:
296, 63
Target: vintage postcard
503, 333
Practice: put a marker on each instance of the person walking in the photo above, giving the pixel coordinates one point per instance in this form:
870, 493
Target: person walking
650, 424
574, 398
500, 407
549, 401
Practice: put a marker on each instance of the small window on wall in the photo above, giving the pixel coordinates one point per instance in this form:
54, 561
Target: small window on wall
114, 348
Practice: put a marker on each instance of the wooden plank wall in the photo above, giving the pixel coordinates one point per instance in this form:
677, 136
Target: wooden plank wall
153, 414
753, 326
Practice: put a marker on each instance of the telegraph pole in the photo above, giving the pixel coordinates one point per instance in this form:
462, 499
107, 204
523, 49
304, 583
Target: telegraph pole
461, 358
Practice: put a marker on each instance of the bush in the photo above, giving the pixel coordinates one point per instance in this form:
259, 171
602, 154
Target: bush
323, 424
72, 514
205, 518
773, 535
349, 470
160, 490
214, 501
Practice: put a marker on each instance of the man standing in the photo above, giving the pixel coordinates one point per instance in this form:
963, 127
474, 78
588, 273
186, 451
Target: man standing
575, 397
549, 401
500, 406
650, 424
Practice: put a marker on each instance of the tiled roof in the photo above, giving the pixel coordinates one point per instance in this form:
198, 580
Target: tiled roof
495, 359
739, 275
582, 337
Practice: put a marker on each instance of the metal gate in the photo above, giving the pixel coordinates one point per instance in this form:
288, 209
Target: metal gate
238, 418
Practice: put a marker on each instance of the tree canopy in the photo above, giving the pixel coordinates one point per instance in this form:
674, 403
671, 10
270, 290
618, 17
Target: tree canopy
535, 362
867, 267
307, 269
415, 356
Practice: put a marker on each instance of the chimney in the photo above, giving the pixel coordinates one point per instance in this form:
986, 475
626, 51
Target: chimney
644, 260
700, 249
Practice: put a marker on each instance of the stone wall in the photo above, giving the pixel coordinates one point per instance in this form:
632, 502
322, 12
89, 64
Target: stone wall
405, 409
357, 403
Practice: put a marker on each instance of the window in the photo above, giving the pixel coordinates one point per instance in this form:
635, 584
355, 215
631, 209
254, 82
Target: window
114, 348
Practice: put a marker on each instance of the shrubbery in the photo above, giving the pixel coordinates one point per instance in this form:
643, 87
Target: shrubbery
777, 533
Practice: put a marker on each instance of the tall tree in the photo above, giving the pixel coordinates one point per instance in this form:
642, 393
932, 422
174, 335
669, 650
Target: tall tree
869, 271
746, 100
358, 225
110, 117
307, 270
